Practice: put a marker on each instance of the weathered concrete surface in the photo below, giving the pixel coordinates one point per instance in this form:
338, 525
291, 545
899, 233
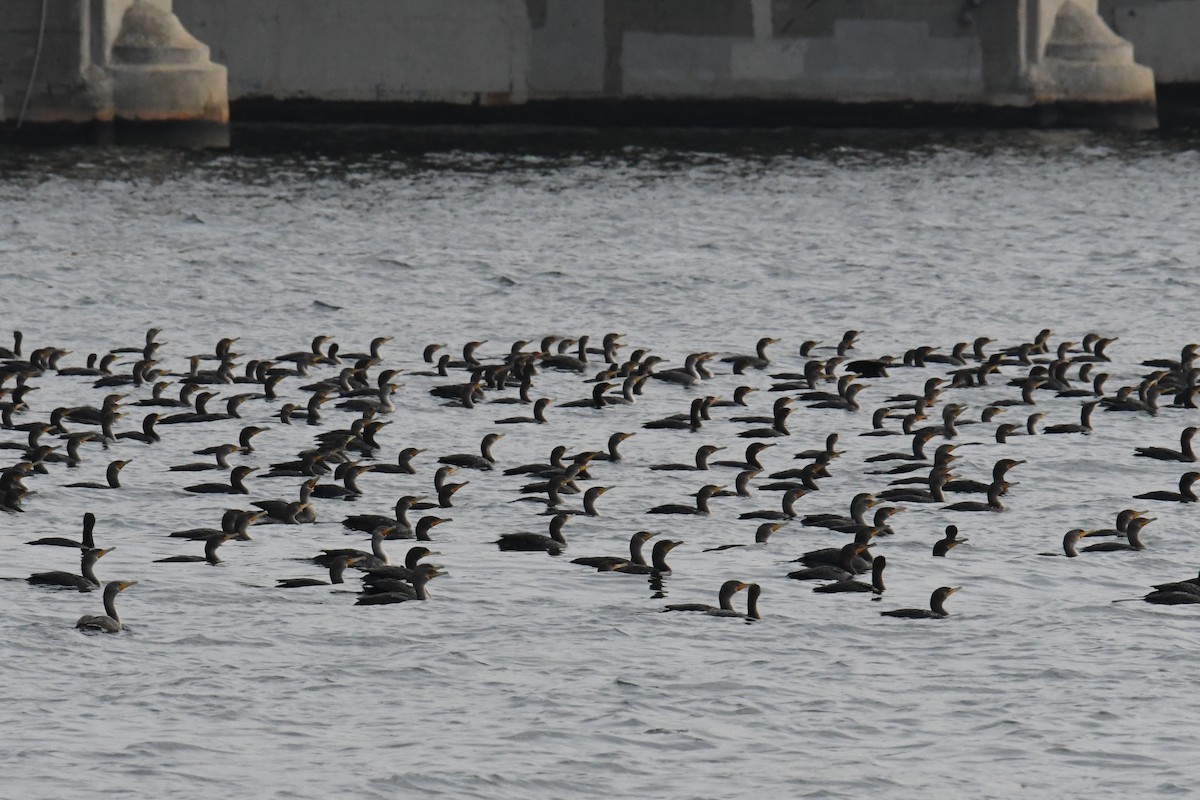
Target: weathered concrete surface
1006, 55
1165, 35
449, 51
131, 61
110, 67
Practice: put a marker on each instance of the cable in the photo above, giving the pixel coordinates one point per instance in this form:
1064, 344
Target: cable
37, 56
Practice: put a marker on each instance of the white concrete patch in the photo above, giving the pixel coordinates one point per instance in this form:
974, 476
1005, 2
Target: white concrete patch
568, 53
774, 60
761, 9
1165, 36
895, 60
675, 65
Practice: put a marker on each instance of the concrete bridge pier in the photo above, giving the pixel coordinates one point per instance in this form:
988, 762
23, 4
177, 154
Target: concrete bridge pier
108, 70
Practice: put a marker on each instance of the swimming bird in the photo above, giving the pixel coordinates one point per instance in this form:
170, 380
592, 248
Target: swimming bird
876, 585
349, 490
844, 570
597, 400
369, 522
1184, 495
702, 456
807, 474
758, 361
725, 599
221, 455
484, 461
1184, 453
658, 560
112, 475
911, 494
1132, 533
553, 544
210, 556
337, 570
1121, 524
752, 614
405, 572
84, 582
687, 375
420, 531
87, 543
1085, 421
846, 402
739, 398
993, 502
753, 451
692, 423
858, 507
388, 591
778, 428
291, 513
108, 622
612, 453
761, 535
1071, 543
788, 511
236, 483
608, 563
943, 545
147, 435
776, 410
378, 557
701, 507
920, 438
936, 610
234, 522
539, 414
999, 473
828, 453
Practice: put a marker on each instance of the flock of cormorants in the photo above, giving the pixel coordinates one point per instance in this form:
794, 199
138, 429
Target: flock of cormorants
348, 399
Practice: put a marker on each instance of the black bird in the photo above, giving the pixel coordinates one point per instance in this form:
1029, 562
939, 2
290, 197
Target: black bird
394, 591
658, 560
221, 455
936, 610
786, 513
210, 552
851, 585
1184, 453
88, 543
403, 463
113, 475
827, 572
337, 570
108, 622
701, 507
702, 456
484, 461
1184, 495
84, 582
725, 598
1084, 425
751, 461
236, 483
553, 544
993, 502
943, 545
608, 563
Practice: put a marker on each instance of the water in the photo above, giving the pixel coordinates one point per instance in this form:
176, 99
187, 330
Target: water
526, 676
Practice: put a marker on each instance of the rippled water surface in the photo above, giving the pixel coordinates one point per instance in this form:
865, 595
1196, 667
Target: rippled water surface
527, 676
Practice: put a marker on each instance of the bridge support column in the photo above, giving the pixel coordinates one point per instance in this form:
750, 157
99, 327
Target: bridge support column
109, 70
